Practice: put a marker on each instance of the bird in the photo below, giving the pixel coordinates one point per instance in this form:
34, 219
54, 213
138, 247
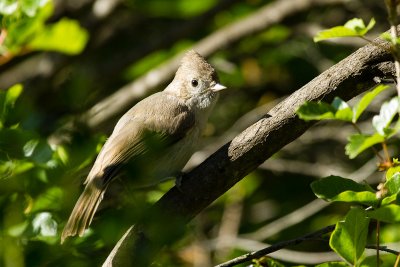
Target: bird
175, 118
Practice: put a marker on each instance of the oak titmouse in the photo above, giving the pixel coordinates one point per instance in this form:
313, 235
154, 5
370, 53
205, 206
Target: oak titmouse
176, 116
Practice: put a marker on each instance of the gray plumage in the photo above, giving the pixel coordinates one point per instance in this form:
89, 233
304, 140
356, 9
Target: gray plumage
176, 116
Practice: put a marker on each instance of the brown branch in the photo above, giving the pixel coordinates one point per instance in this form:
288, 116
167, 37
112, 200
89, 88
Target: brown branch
268, 15
237, 158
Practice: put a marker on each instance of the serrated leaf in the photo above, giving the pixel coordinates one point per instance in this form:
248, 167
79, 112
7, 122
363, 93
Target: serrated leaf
336, 188
65, 36
350, 236
316, 111
343, 110
360, 142
389, 213
366, 100
382, 121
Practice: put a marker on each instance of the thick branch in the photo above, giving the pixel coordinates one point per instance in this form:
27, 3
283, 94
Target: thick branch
237, 158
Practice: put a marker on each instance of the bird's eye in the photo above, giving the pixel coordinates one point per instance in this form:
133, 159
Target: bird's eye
195, 83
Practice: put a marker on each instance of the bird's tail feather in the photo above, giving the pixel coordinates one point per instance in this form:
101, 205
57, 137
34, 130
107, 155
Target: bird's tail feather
84, 210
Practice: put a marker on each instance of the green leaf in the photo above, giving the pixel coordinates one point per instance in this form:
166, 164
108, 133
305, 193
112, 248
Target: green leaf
360, 142
386, 260
8, 101
389, 213
382, 121
49, 200
333, 264
366, 198
354, 27
30, 7
14, 167
392, 187
343, 110
350, 236
8, 7
65, 36
38, 150
335, 32
335, 188
392, 171
366, 100
316, 111
358, 25
393, 184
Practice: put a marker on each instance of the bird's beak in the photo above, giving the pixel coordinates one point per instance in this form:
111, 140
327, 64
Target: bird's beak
217, 87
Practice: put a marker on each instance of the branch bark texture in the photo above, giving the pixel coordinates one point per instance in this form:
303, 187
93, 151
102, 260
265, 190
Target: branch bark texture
233, 161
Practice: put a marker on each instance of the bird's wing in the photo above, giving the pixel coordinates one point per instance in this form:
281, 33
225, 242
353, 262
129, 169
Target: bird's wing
159, 119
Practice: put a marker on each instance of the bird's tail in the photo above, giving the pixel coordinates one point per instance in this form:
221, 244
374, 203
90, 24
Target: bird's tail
84, 210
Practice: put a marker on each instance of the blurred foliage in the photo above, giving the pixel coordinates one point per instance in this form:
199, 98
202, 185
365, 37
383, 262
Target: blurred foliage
58, 59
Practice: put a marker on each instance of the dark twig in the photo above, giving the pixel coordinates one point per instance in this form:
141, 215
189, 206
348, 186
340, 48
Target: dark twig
277, 246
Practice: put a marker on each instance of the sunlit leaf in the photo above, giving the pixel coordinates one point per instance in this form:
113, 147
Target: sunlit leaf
8, 100
366, 100
343, 110
389, 213
350, 236
382, 121
360, 142
7, 7
65, 36
358, 25
354, 27
30, 7
336, 188
316, 111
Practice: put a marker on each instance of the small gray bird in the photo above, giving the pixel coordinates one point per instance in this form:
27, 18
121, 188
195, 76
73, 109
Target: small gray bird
176, 117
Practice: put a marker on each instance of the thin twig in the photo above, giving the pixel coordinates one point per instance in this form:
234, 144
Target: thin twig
383, 248
277, 246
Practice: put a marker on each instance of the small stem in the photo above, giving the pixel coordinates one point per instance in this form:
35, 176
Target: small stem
378, 224
386, 152
397, 260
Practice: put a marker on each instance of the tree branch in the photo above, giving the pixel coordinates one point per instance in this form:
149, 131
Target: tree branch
237, 158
